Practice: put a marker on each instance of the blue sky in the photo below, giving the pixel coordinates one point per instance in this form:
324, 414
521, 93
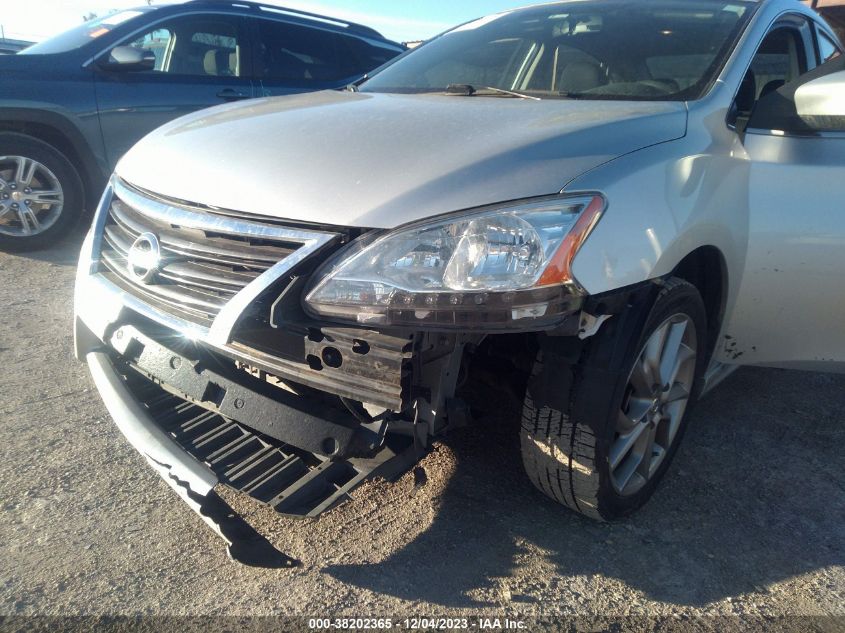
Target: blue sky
397, 19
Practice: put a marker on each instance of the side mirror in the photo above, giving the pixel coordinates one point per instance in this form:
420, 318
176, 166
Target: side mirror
821, 103
128, 58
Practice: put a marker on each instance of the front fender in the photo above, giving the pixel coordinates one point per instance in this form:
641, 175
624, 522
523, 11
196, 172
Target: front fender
664, 202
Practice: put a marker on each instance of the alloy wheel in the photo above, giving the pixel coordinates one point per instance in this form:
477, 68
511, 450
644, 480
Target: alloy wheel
31, 197
656, 397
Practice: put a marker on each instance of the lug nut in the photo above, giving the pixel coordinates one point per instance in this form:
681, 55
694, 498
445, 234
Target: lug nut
14, 205
27, 190
13, 186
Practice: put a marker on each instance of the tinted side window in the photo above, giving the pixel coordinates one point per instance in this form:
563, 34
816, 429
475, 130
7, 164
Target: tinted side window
195, 45
827, 49
301, 55
777, 111
779, 60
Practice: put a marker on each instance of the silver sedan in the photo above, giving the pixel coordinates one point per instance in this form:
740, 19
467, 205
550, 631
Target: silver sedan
598, 209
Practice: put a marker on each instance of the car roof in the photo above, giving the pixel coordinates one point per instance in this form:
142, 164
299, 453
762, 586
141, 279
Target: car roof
316, 19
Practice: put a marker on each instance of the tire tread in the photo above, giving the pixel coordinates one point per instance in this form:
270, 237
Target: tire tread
560, 454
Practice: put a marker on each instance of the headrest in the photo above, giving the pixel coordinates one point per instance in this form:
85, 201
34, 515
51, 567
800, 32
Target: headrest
209, 62
579, 77
219, 63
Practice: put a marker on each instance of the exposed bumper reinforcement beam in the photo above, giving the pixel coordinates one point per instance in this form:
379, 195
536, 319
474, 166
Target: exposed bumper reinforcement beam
286, 417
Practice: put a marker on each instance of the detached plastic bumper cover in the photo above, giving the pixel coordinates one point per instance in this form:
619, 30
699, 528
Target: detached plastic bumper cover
185, 474
192, 480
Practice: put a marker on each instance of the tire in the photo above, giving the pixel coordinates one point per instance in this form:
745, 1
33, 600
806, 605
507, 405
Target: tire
49, 216
580, 404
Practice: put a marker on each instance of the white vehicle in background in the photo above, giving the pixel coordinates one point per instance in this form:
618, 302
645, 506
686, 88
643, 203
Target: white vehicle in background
602, 207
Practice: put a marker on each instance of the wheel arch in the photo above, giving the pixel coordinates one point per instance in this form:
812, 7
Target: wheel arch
55, 130
706, 268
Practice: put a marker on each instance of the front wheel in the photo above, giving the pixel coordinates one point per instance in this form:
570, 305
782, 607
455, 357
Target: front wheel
601, 449
40, 193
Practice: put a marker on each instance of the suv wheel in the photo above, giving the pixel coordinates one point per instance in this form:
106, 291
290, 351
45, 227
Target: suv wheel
40, 193
602, 448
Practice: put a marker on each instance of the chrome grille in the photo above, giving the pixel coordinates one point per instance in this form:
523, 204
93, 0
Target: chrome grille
206, 260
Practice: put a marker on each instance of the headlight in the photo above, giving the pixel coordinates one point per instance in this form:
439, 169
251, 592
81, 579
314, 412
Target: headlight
485, 268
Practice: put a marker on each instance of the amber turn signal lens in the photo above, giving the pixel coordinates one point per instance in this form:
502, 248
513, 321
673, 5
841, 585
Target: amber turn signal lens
559, 269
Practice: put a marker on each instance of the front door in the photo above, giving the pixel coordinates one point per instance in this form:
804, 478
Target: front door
790, 310
201, 60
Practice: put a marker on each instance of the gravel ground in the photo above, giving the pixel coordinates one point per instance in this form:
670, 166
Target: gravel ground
750, 521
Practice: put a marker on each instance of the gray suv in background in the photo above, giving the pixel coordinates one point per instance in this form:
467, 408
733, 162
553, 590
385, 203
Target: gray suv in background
71, 106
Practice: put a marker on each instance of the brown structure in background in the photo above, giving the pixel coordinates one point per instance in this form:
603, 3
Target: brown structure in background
833, 11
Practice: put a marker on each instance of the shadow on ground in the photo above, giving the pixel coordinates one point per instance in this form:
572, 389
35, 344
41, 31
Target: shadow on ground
754, 496
65, 252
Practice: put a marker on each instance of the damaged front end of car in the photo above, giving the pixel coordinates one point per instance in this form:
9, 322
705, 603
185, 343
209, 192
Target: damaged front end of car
292, 362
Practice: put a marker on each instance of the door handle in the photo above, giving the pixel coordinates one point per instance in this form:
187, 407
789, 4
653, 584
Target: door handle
232, 95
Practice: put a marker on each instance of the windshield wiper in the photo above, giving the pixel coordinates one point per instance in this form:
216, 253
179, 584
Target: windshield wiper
353, 87
468, 90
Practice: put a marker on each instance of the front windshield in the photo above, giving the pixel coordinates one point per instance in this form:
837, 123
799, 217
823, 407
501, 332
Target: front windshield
598, 49
80, 35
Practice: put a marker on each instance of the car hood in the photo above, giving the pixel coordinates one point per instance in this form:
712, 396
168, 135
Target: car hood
12, 62
29, 68
29, 62
382, 160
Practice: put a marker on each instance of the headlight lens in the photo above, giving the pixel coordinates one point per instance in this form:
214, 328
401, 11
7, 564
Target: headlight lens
495, 266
